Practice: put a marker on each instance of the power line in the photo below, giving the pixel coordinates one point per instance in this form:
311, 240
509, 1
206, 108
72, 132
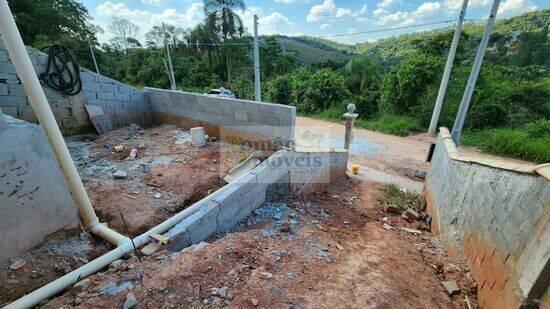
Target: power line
389, 29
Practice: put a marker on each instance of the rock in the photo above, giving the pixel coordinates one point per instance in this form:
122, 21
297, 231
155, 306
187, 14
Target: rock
157, 195
145, 168
286, 227
412, 214
254, 302
133, 153
119, 148
451, 287
162, 160
116, 265
412, 231
387, 226
266, 275
120, 174
392, 209
82, 283
17, 264
131, 301
450, 268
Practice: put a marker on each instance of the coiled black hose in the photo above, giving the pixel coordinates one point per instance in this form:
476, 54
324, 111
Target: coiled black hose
62, 72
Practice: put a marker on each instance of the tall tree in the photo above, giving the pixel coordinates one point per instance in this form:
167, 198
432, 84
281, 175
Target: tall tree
124, 31
222, 20
51, 20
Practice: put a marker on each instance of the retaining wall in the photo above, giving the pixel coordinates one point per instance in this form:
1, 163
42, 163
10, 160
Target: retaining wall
124, 103
226, 207
232, 120
497, 215
34, 199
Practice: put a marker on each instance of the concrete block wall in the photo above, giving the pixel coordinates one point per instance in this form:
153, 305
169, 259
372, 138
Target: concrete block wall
225, 208
124, 103
263, 125
498, 220
34, 199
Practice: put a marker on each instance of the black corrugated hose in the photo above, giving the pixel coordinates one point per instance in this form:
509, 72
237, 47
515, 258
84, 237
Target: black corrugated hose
62, 72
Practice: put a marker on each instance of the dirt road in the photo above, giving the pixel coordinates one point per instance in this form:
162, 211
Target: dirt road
382, 158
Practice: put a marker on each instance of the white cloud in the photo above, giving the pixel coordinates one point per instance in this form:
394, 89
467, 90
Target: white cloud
152, 2
426, 11
457, 4
275, 18
363, 10
510, 8
386, 4
286, 1
327, 11
146, 19
325, 26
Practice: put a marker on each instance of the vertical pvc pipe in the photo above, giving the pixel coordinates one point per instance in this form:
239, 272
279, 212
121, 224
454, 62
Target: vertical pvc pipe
39, 103
466, 99
93, 57
257, 82
448, 67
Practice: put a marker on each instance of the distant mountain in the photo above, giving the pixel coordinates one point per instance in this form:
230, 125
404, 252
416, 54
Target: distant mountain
309, 50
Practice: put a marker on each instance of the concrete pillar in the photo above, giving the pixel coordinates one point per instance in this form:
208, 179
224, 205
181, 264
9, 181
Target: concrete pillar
350, 117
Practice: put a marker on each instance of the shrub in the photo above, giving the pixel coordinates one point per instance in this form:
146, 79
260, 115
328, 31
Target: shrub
391, 124
279, 90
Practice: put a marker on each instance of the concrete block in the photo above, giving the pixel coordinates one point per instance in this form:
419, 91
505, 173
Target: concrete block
89, 95
3, 89
105, 95
90, 86
129, 105
87, 76
121, 112
241, 115
27, 114
3, 56
108, 87
13, 101
254, 117
197, 136
9, 110
144, 106
269, 120
8, 76
7, 68
122, 97
16, 90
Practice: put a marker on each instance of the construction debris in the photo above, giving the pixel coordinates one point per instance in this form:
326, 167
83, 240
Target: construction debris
118, 148
451, 287
411, 214
120, 174
17, 264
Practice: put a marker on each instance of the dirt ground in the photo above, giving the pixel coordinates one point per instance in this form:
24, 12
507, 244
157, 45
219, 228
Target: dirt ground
168, 174
332, 249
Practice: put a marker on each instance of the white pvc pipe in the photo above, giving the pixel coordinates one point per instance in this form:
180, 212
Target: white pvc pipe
55, 287
257, 81
39, 103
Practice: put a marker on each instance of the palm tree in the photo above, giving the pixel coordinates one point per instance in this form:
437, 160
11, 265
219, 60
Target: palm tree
222, 20
363, 74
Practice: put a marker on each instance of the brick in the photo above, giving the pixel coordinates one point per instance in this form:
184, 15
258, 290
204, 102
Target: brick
13, 101
16, 90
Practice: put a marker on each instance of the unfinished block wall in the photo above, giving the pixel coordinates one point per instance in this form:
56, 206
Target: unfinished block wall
34, 199
233, 120
124, 103
498, 219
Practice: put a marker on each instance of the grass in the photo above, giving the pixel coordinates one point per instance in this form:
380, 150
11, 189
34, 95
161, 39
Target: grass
392, 195
530, 142
515, 143
387, 123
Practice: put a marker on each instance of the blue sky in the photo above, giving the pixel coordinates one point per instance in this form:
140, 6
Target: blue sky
308, 17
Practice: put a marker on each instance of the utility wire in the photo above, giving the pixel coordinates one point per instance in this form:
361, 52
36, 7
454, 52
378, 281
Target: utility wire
390, 29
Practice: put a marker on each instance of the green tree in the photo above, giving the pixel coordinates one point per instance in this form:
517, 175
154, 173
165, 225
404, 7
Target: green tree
279, 90
52, 19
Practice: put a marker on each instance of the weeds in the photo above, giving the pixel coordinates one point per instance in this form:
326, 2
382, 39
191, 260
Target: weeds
392, 195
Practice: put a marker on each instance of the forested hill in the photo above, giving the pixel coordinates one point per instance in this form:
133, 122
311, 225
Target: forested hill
310, 50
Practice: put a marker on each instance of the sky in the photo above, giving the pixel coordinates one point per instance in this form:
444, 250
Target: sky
320, 18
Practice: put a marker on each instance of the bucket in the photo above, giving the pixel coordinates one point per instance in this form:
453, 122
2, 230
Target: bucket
355, 169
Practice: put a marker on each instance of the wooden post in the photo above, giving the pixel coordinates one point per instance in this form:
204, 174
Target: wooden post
350, 117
